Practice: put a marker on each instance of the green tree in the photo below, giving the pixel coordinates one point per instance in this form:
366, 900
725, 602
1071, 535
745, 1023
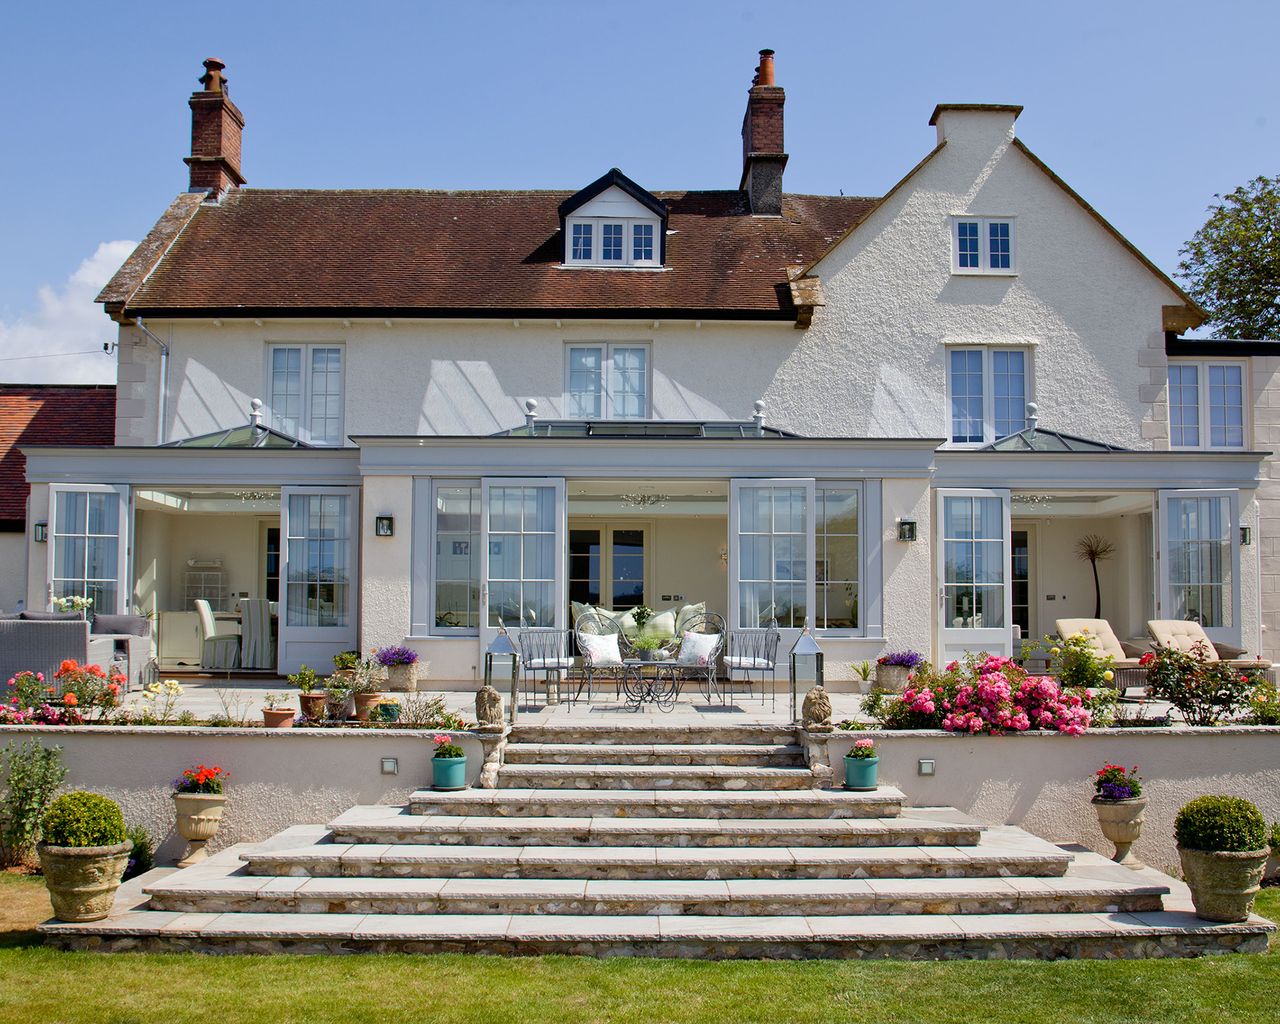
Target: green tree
1231, 266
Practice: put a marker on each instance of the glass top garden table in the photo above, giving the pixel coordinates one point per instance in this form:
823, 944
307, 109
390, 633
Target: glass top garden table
650, 682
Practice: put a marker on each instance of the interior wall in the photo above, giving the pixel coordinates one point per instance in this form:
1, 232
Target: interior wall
164, 541
686, 560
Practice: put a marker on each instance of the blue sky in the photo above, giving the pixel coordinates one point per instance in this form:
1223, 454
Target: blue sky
1147, 109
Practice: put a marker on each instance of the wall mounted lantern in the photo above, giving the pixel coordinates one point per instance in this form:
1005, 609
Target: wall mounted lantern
40, 533
384, 526
1246, 536
907, 529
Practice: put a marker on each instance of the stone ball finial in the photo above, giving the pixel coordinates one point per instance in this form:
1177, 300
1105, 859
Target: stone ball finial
531, 406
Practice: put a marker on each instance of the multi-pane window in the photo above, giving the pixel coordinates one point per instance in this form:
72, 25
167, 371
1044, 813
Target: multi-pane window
86, 547
1206, 405
522, 555
1200, 559
630, 242
456, 529
773, 555
581, 242
983, 245
607, 382
988, 392
837, 568
973, 582
306, 392
319, 560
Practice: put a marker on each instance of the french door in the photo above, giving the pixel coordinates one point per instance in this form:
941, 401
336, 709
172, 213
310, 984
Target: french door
522, 554
608, 563
771, 554
975, 608
89, 545
1199, 553
319, 556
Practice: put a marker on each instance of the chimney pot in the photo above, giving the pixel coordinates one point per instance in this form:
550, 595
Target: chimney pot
216, 128
765, 69
213, 79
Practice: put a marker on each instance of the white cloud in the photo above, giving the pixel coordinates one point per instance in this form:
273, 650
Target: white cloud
66, 321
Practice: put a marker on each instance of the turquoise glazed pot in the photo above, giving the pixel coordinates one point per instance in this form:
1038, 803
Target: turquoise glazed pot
448, 773
860, 772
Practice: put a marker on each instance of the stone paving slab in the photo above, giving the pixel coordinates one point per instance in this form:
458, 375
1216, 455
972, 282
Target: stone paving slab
760, 754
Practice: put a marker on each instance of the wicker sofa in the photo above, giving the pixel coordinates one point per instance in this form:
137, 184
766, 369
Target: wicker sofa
41, 645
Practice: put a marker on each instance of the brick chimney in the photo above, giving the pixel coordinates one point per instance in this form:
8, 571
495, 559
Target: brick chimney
762, 151
216, 124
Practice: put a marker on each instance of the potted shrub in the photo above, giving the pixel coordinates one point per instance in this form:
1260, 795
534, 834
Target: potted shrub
1222, 843
401, 664
448, 765
366, 694
345, 665
892, 669
276, 715
198, 800
1121, 807
83, 850
647, 647
861, 765
310, 698
338, 704
386, 710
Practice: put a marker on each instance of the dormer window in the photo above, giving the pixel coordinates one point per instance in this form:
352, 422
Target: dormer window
614, 223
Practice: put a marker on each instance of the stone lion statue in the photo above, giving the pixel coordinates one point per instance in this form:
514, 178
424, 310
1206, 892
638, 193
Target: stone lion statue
488, 706
815, 713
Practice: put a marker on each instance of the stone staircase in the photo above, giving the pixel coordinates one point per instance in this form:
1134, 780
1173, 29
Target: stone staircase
660, 841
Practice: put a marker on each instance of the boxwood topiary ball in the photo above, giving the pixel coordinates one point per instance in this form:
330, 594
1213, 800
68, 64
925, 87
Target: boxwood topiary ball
1220, 824
83, 819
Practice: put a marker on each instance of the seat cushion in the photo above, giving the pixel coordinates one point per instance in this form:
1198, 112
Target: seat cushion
738, 662
600, 651
121, 625
1182, 635
1101, 636
51, 616
549, 663
697, 648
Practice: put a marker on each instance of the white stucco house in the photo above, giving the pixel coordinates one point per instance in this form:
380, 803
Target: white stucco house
409, 416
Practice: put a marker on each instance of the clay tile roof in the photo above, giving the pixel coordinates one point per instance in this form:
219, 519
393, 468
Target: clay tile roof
58, 414
286, 252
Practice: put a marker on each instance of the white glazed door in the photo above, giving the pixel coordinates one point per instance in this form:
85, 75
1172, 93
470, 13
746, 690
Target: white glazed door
975, 609
523, 562
319, 554
89, 545
1199, 561
771, 555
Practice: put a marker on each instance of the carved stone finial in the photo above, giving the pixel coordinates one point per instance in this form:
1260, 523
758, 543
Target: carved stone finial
488, 708
815, 713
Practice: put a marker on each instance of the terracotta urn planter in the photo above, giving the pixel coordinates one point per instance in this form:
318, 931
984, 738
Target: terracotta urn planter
1121, 822
312, 704
892, 678
366, 702
1223, 885
278, 718
199, 815
402, 678
82, 880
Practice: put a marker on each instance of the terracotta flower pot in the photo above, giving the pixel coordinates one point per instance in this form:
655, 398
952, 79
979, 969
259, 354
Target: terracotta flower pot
1121, 822
402, 678
366, 702
312, 704
1223, 885
82, 880
278, 718
199, 815
892, 678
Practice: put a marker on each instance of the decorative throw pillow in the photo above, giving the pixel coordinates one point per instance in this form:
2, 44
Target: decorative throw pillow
625, 620
660, 624
600, 651
688, 614
696, 648
577, 608
121, 625
51, 616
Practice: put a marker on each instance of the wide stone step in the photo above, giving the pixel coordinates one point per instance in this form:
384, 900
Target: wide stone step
652, 776
382, 824
757, 754
885, 802
907, 937
643, 733
406, 860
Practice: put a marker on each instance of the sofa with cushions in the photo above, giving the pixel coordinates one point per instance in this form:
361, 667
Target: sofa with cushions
35, 641
662, 625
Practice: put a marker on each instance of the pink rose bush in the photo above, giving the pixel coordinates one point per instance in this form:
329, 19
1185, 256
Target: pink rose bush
981, 694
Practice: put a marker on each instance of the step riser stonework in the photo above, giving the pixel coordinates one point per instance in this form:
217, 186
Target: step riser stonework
602, 806
601, 754
582, 838
511, 777
732, 735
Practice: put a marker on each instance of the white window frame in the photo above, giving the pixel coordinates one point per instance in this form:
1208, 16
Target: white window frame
988, 389
429, 534
1202, 397
124, 530
868, 555
628, 260
1231, 632
606, 373
984, 223
304, 418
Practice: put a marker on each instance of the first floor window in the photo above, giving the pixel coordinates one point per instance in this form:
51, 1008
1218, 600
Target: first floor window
306, 392
86, 547
1206, 405
838, 569
973, 579
456, 533
983, 245
607, 382
988, 393
319, 560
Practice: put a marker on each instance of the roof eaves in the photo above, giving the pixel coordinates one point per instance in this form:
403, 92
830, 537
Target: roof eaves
147, 255
610, 179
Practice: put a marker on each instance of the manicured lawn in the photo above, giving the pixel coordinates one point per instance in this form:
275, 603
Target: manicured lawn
47, 987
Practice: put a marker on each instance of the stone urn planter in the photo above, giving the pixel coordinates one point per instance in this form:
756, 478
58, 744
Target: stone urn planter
402, 678
278, 718
1121, 823
366, 702
1223, 884
82, 880
199, 815
892, 678
312, 705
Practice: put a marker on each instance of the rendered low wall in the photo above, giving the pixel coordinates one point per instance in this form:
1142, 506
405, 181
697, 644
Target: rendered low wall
1042, 781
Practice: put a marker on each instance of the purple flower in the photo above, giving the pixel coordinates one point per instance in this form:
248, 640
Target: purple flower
388, 656
907, 659
1115, 791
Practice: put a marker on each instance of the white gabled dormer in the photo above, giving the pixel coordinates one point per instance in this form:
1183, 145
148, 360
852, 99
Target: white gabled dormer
613, 224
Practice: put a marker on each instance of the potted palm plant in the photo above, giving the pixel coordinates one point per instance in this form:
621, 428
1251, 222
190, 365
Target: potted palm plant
310, 698
1222, 843
448, 765
861, 765
83, 852
198, 799
1121, 808
275, 714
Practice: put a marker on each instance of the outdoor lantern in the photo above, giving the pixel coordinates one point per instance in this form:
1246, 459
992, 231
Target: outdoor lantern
1246, 535
806, 648
383, 526
906, 529
40, 533
502, 647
